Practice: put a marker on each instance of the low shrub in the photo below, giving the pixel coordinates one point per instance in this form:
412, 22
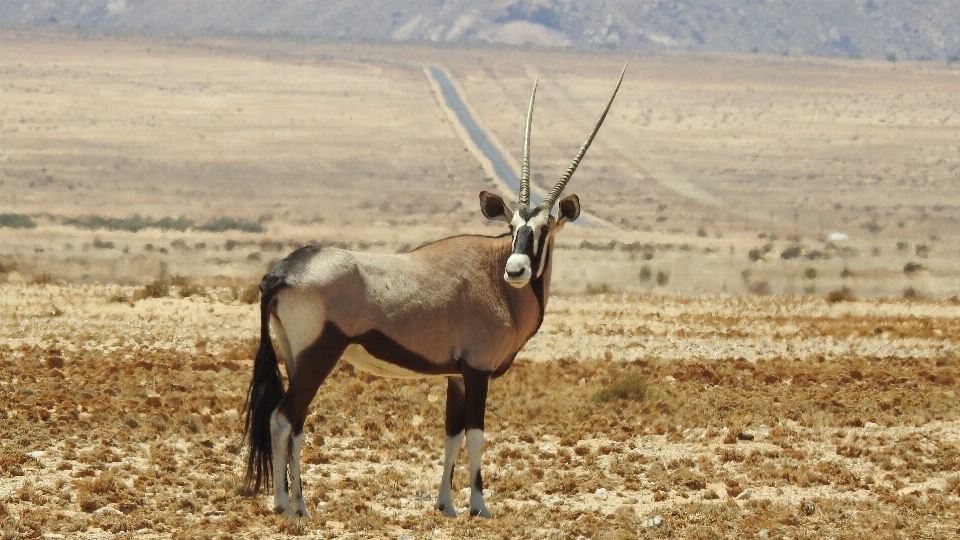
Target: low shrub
154, 289
249, 294
137, 223
630, 386
17, 221
230, 224
843, 294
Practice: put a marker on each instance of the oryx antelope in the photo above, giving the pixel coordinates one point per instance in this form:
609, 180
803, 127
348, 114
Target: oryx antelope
459, 308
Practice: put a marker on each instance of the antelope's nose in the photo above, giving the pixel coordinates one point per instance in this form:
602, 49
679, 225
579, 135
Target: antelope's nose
515, 273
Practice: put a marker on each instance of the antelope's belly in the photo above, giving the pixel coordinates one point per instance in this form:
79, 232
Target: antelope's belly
364, 361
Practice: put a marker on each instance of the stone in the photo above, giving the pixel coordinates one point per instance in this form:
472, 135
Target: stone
107, 511
719, 488
655, 521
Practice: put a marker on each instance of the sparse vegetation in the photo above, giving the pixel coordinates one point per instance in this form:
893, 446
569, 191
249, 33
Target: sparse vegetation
136, 223
133, 223
231, 224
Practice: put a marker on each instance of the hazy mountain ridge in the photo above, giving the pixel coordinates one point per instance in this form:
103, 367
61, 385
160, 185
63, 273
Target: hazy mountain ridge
902, 29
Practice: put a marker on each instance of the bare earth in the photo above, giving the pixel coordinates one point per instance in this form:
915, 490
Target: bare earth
690, 378
126, 418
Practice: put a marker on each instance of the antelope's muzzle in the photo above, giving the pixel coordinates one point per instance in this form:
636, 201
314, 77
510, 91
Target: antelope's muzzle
518, 270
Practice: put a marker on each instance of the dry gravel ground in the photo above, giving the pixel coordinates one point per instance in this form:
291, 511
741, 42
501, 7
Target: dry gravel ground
627, 416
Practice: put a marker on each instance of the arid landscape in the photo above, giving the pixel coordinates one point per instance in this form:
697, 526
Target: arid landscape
626, 416
756, 341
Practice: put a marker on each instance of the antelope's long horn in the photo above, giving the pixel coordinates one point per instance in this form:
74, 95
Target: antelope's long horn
525, 168
558, 188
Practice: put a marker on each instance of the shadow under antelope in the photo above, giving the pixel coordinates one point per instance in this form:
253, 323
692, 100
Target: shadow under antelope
460, 308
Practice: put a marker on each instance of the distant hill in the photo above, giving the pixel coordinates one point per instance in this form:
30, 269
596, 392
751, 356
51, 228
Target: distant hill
892, 29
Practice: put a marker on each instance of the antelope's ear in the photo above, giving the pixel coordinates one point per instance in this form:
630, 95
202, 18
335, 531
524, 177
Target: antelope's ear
493, 207
569, 209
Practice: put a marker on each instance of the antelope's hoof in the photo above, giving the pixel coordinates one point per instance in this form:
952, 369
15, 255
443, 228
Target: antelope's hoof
447, 509
482, 512
287, 512
302, 512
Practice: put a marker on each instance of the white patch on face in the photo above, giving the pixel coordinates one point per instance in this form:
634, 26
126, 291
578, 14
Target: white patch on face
518, 270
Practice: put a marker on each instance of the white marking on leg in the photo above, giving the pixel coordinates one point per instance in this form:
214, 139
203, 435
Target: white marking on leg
475, 455
280, 441
451, 447
296, 489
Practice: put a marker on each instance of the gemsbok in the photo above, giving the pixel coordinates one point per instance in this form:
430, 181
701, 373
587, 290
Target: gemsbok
460, 308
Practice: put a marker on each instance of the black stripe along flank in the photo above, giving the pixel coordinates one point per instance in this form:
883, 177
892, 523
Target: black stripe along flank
382, 347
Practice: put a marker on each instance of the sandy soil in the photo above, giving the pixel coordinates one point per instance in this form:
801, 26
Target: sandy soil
652, 416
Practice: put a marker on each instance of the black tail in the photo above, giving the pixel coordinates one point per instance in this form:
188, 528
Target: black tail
266, 391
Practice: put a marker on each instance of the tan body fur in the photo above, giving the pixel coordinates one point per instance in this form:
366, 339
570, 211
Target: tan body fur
444, 302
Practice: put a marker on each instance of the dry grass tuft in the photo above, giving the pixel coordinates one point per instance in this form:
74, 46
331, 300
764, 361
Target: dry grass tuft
843, 294
629, 386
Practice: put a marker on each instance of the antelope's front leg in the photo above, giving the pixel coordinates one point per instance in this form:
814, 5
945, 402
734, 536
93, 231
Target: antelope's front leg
453, 426
475, 386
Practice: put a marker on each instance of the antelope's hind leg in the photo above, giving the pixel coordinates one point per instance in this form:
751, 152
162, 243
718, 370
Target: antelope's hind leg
313, 365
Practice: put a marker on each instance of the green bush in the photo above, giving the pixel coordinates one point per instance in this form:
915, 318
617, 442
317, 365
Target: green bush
137, 223
134, 223
230, 224
16, 221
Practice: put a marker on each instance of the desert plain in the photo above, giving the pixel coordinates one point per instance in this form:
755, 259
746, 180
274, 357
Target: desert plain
757, 340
